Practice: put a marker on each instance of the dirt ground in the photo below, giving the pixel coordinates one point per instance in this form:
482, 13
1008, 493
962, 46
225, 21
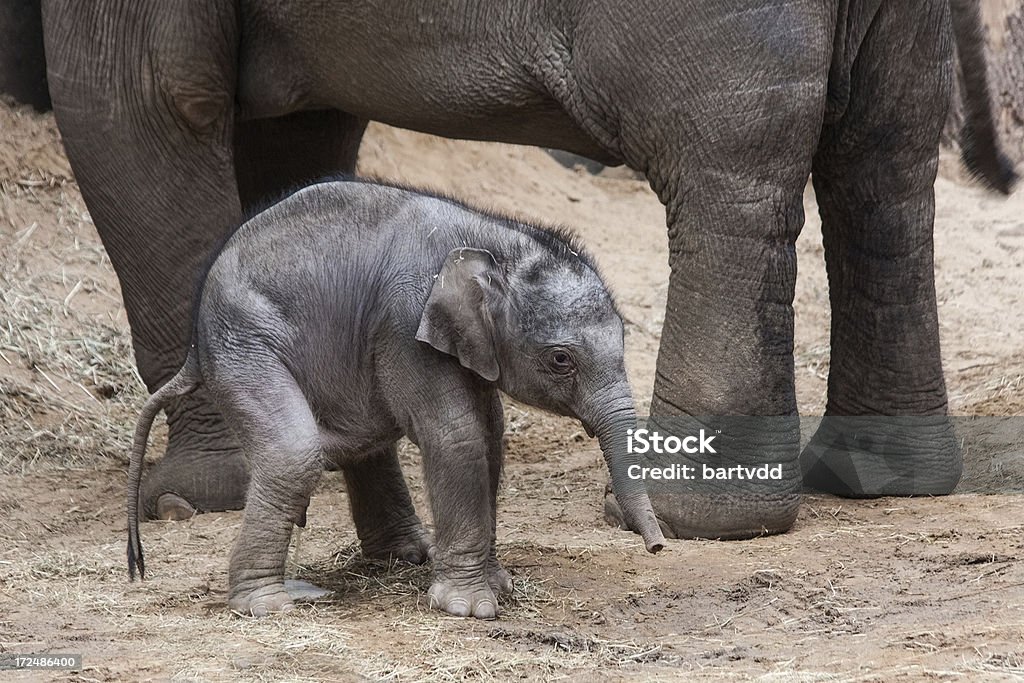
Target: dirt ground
889, 589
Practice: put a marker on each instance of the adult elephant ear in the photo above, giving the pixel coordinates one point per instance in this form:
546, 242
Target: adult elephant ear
457, 319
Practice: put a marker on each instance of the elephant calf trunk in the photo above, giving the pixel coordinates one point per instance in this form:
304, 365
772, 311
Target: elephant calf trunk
641, 519
637, 512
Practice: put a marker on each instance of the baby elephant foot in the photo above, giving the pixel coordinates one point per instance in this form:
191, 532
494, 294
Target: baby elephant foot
462, 600
304, 591
412, 545
261, 601
277, 597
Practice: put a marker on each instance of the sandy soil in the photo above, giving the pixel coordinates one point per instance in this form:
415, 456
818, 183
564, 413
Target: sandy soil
890, 589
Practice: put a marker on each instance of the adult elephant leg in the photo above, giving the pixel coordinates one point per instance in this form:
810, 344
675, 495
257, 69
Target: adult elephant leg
729, 151
727, 350
144, 99
275, 155
203, 469
22, 61
873, 175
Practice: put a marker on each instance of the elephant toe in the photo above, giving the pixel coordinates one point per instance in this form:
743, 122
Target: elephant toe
499, 580
304, 591
612, 512
459, 601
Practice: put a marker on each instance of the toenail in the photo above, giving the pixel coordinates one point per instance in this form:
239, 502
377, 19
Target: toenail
459, 607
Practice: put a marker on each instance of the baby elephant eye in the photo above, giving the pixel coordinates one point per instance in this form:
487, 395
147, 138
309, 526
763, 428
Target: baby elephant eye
561, 361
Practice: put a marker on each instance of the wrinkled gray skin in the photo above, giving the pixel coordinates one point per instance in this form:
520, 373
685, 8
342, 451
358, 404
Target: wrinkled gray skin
981, 149
351, 314
177, 117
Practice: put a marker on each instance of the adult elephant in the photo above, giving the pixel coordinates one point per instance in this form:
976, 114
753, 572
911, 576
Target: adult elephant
22, 61
178, 117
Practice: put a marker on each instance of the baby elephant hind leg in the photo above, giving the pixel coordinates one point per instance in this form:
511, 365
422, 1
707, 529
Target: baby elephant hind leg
382, 509
279, 436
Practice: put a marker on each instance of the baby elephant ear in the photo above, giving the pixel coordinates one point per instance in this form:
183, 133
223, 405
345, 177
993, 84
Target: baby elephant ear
457, 319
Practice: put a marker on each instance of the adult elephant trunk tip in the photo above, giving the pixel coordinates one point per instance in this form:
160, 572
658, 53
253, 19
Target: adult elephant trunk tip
637, 511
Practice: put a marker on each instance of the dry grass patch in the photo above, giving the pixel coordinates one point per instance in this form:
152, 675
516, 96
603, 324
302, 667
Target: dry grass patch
69, 390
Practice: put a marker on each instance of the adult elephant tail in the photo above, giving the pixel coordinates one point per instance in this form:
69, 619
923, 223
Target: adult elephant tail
22, 58
979, 142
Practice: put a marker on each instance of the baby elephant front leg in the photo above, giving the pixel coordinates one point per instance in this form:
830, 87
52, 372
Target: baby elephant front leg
458, 479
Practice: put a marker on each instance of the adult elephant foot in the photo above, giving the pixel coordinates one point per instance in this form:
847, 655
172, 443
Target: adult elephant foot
203, 468
714, 517
863, 457
498, 577
412, 545
776, 516
729, 474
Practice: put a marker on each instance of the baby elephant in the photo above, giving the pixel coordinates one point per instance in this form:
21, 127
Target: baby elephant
350, 314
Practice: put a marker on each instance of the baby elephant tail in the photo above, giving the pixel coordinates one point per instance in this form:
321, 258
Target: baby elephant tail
183, 383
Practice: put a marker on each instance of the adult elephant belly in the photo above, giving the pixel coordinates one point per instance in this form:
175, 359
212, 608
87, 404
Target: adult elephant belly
428, 69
